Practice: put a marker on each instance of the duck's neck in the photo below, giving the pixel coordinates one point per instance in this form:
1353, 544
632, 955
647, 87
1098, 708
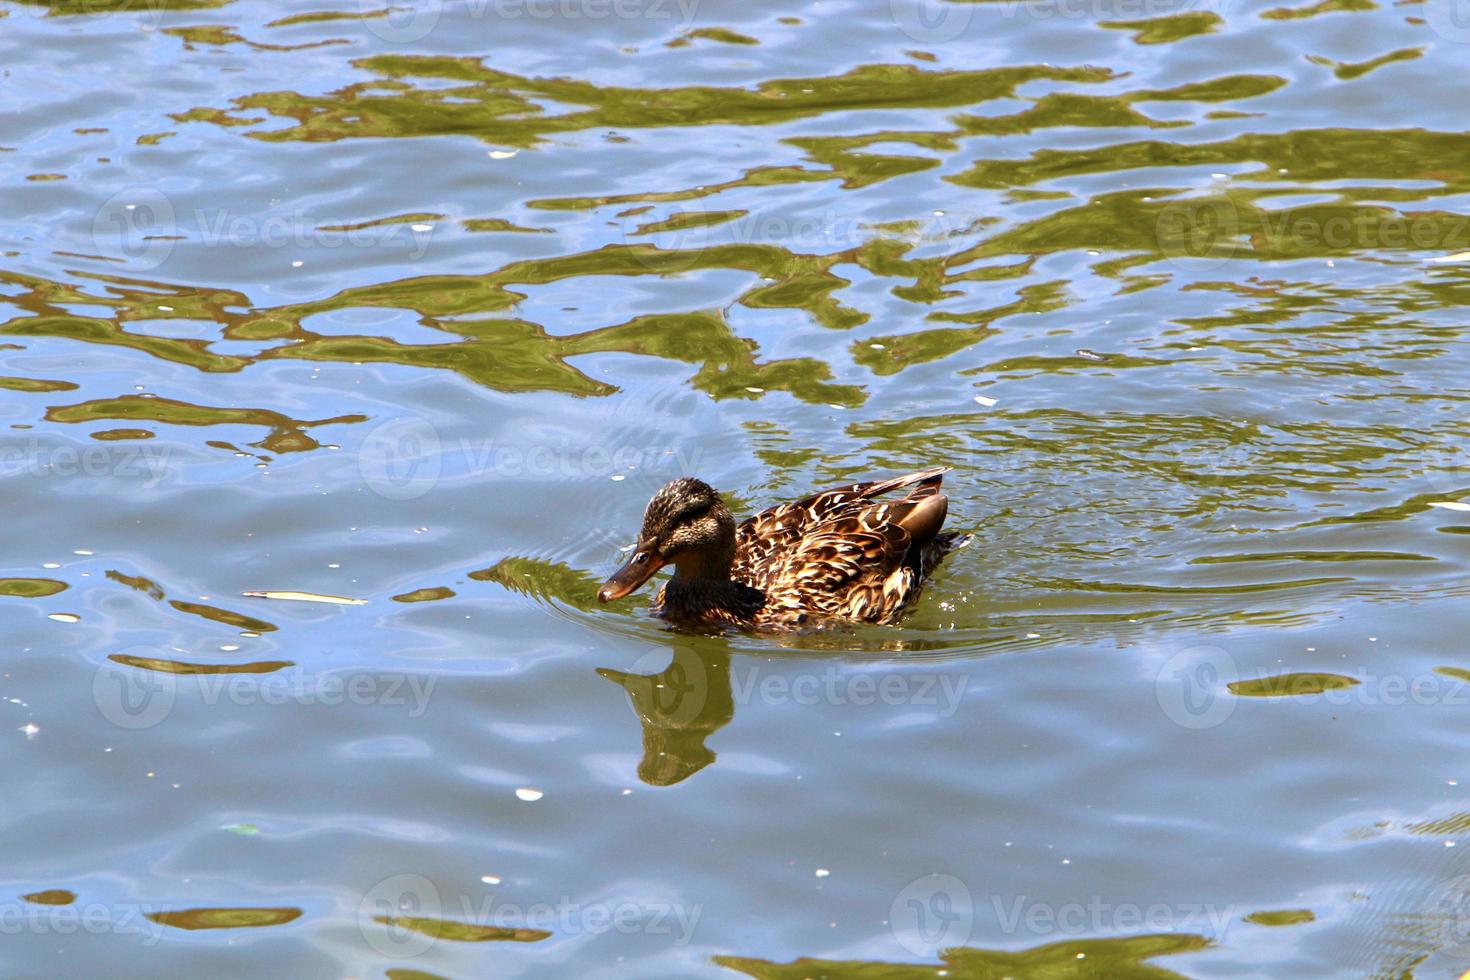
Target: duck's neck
702, 587
706, 566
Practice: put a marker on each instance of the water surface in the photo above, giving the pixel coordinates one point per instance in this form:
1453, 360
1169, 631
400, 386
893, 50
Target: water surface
413, 307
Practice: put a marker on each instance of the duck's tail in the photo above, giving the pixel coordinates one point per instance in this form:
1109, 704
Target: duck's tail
952, 541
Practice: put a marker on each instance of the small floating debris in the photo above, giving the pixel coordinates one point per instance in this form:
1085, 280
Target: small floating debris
305, 597
243, 829
490, 879
29, 730
501, 154
64, 617
986, 401
529, 795
1090, 355
83, 551
1450, 505
822, 872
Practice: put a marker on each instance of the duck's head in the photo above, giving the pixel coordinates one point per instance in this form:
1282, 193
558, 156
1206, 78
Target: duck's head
685, 523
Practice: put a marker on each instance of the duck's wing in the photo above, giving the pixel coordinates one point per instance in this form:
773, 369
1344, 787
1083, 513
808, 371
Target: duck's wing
844, 552
855, 567
762, 541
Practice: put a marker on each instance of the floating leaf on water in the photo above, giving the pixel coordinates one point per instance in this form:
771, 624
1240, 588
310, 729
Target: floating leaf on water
1292, 685
224, 918
226, 616
145, 585
30, 588
51, 896
465, 932
305, 597
181, 667
425, 595
1282, 917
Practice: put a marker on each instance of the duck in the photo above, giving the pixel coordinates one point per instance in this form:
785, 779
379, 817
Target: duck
853, 553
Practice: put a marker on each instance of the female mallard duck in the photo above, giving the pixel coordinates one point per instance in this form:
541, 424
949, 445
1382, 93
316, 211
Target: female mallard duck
839, 554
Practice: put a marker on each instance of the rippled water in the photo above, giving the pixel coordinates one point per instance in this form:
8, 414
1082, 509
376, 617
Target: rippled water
414, 306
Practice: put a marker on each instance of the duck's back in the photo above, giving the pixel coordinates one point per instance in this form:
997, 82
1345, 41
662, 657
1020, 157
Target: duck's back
845, 553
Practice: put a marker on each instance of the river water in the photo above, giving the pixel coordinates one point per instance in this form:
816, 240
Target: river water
415, 306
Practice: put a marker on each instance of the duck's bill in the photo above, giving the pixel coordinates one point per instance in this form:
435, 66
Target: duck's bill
629, 578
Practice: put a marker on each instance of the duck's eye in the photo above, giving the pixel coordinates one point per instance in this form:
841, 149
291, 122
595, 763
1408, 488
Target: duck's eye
641, 557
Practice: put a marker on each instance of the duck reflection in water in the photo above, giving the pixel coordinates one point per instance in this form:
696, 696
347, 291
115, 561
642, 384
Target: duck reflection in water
679, 707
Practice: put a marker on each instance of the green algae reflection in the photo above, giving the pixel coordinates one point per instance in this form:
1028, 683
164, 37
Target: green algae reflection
1292, 685
225, 918
1083, 959
30, 588
286, 433
507, 109
463, 932
72, 7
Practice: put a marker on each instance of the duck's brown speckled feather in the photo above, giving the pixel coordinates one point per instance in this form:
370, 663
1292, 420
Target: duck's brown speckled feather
841, 553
